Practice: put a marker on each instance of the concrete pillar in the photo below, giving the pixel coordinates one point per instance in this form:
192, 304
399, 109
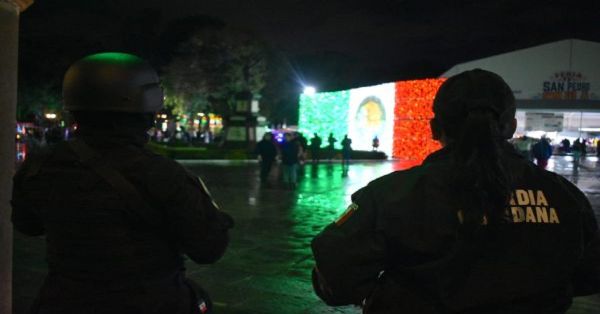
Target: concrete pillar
9, 39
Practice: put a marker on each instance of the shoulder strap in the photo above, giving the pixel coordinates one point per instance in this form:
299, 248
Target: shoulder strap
88, 157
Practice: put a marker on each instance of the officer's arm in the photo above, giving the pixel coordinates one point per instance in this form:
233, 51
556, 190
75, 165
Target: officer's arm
349, 254
586, 279
587, 275
201, 229
25, 217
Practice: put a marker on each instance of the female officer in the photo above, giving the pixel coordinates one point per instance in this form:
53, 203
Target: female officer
475, 229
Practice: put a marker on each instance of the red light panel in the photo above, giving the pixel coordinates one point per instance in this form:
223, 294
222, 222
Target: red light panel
412, 135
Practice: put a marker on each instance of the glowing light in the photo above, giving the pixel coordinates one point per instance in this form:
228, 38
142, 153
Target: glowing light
589, 129
50, 116
412, 135
279, 137
115, 57
398, 113
324, 113
309, 90
372, 114
164, 116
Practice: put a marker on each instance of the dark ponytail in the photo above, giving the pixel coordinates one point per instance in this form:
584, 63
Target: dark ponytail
474, 114
482, 183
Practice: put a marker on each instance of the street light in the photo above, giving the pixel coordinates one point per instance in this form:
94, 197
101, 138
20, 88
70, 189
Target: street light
309, 90
50, 116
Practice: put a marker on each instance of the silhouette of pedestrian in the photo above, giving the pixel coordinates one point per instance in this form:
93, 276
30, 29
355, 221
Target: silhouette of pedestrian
346, 150
266, 151
331, 147
565, 145
375, 143
315, 148
290, 158
542, 151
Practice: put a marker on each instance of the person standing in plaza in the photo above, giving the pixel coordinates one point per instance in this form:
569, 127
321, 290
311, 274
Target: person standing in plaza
315, 147
565, 145
118, 219
346, 151
303, 142
290, 158
542, 151
476, 228
375, 143
576, 152
331, 146
267, 152
523, 146
34, 140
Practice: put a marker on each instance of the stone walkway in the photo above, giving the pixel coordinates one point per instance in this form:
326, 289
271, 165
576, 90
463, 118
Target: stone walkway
267, 266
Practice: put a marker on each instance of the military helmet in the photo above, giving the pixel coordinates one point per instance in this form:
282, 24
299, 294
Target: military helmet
112, 81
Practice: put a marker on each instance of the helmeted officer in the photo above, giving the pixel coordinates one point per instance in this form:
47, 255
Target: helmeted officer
117, 218
475, 229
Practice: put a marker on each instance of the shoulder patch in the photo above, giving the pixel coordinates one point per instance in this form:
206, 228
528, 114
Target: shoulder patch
347, 214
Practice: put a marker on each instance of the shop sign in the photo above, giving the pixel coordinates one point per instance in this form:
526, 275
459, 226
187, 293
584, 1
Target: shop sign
544, 121
566, 85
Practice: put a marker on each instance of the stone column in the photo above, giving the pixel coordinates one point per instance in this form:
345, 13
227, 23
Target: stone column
9, 37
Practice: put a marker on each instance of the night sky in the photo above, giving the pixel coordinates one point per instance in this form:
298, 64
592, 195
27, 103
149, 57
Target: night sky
332, 44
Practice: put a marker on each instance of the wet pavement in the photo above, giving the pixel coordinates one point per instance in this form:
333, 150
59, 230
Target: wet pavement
267, 266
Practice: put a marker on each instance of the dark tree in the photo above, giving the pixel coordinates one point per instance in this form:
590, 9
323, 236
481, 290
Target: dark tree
212, 66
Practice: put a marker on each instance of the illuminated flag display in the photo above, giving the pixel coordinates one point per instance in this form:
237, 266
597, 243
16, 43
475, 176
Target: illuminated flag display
397, 113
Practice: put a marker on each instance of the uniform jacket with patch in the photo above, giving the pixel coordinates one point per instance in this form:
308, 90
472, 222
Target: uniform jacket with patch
398, 248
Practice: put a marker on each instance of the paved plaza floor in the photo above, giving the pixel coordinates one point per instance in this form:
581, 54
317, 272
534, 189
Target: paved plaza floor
267, 266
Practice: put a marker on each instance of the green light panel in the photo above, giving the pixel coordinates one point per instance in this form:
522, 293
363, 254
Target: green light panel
324, 113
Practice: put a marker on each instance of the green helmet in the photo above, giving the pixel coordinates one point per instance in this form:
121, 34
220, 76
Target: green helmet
112, 81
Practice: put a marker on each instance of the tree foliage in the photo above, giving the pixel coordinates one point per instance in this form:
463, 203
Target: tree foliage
39, 99
211, 67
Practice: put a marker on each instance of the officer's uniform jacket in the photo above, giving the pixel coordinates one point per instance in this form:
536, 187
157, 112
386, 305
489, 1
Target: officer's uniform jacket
104, 255
399, 247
